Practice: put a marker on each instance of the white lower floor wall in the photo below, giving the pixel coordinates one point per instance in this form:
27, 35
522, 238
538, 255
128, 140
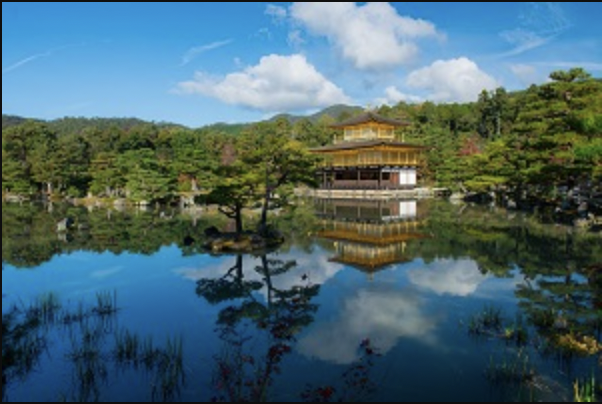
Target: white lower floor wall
408, 209
407, 176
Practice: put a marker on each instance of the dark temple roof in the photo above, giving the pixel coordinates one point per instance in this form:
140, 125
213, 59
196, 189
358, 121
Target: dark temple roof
363, 145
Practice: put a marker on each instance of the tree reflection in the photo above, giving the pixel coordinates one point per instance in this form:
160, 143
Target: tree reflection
563, 305
30, 235
276, 315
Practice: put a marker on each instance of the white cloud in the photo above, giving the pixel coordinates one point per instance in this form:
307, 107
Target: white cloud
295, 38
264, 33
278, 13
372, 36
457, 80
394, 96
196, 51
447, 277
525, 73
540, 23
277, 84
383, 315
107, 273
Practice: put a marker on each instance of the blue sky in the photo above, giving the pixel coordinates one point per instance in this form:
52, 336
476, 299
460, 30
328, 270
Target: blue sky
204, 62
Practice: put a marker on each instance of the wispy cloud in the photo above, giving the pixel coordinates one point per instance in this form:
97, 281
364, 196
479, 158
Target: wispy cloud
279, 14
295, 38
539, 24
196, 51
590, 66
526, 74
33, 58
106, 273
264, 34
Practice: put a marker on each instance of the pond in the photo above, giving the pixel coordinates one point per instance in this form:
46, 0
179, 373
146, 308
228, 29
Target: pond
367, 301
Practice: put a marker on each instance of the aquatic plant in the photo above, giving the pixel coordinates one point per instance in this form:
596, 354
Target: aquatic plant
516, 369
574, 344
487, 322
106, 303
45, 308
585, 391
517, 332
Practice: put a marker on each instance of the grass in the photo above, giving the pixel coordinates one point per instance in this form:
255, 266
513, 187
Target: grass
25, 330
487, 322
581, 345
165, 365
127, 346
585, 391
517, 332
45, 308
106, 303
515, 369
170, 374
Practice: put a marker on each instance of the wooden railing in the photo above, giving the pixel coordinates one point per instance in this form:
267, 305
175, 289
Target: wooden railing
366, 159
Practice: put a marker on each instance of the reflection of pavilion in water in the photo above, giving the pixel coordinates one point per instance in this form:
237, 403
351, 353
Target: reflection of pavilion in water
369, 235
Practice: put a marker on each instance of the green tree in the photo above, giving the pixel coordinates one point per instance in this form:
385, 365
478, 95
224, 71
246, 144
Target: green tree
106, 177
18, 145
146, 179
236, 186
268, 150
551, 128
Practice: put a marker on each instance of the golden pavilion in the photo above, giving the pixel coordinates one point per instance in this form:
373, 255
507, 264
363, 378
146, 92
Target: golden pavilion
367, 154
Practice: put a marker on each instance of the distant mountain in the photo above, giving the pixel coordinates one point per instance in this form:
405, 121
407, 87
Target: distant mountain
229, 128
12, 120
78, 125
337, 112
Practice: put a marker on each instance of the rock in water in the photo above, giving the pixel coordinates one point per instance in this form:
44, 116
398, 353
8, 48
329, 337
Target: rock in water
64, 225
212, 232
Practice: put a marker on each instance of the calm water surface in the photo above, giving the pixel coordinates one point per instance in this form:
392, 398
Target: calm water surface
395, 301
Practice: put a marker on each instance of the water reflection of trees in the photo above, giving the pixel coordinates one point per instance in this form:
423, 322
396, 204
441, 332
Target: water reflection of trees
257, 310
560, 292
30, 236
500, 241
558, 264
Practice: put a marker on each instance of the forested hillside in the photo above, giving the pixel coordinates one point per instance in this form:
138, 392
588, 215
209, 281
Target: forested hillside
536, 139
11, 120
530, 141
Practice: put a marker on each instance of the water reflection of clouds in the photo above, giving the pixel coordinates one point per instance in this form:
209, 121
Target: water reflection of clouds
448, 277
315, 267
106, 273
384, 314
